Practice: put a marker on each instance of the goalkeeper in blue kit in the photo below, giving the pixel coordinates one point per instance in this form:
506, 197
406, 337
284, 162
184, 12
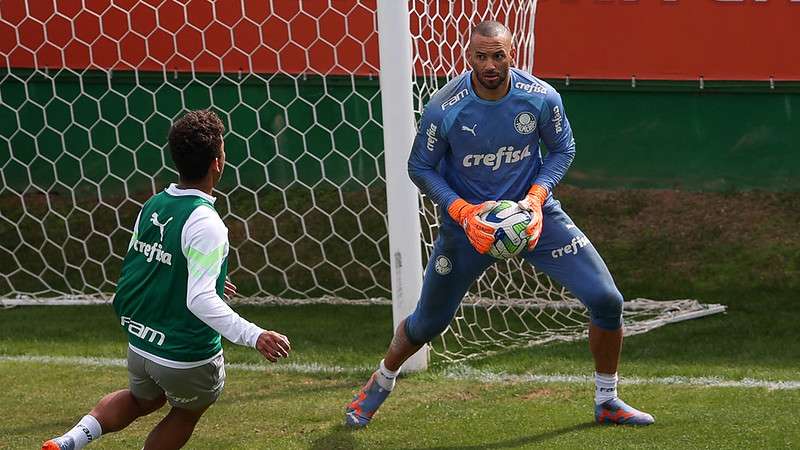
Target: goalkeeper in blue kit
478, 142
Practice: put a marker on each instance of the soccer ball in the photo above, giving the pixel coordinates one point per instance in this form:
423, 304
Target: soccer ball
510, 222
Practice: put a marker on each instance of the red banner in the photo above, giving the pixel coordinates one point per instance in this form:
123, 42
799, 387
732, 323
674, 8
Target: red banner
319, 37
599, 39
333, 37
668, 39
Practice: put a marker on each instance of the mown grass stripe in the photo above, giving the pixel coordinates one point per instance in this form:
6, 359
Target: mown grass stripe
458, 372
117, 362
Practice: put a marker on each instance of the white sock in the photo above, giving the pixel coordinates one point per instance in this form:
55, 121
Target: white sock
386, 377
86, 430
605, 387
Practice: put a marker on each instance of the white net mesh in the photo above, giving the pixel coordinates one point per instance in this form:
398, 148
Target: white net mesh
511, 305
88, 91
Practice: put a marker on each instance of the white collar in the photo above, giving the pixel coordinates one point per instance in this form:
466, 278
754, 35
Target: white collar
173, 189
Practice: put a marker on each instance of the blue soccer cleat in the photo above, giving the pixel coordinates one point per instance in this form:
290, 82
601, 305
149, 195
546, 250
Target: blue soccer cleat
364, 405
618, 412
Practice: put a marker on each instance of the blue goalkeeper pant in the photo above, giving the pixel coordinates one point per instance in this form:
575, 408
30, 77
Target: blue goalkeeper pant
563, 253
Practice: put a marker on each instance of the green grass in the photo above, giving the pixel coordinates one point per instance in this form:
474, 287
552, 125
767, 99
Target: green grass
280, 411
755, 338
742, 250
316, 332
429, 411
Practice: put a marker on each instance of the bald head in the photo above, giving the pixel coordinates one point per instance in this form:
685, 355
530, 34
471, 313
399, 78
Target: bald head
491, 28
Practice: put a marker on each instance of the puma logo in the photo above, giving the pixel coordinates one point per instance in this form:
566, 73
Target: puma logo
161, 226
471, 130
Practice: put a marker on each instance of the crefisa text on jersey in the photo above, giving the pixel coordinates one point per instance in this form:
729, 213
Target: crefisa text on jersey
557, 119
530, 87
505, 154
151, 251
431, 133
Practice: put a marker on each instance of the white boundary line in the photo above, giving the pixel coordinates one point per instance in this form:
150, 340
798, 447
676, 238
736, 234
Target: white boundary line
467, 373
457, 372
312, 368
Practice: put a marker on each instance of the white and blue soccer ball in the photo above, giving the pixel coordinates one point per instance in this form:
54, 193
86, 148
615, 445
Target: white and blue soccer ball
510, 222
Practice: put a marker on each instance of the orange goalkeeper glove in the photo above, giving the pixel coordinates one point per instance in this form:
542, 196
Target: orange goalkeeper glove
479, 233
533, 203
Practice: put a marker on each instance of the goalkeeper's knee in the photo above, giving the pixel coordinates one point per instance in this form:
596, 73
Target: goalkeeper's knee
606, 308
420, 331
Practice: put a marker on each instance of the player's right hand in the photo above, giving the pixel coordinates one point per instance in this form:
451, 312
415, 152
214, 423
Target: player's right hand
479, 233
273, 345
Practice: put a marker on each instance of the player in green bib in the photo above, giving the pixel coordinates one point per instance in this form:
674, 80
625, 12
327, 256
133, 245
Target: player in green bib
169, 301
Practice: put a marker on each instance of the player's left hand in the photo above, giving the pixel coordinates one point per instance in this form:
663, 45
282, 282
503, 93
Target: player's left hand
532, 203
273, 345
230, 289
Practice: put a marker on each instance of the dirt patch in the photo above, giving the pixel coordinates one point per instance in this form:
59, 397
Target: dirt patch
728, 217
536, 394
717, 240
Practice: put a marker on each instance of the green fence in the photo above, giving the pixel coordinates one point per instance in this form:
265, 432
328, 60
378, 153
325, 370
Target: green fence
112, 128
725, 136
90, 130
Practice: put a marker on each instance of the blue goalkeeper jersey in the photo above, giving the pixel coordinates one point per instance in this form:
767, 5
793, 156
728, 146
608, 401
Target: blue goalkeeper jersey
482, 150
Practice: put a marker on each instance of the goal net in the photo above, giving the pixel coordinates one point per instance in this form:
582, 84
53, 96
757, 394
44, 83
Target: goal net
87, 94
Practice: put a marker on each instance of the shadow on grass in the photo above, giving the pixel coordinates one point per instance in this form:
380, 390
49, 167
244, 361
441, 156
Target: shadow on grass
517, 442
339, 437
56, 427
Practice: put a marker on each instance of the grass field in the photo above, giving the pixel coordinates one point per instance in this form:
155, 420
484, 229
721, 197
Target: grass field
726, 381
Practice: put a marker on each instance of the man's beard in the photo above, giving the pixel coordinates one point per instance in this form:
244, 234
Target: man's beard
493, 84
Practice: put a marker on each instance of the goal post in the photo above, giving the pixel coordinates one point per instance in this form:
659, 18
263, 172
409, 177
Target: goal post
319, 99
405, 254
